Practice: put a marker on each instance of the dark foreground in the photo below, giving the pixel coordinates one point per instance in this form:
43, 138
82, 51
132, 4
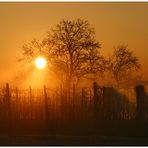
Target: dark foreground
67, 117
70, 140
100, 134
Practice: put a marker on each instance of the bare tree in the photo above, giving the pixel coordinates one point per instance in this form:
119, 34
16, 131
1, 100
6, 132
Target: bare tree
122, 63
73, 49
32, 50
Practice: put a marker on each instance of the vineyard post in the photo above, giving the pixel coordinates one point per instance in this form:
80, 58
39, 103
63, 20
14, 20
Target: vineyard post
8, 97
140, 98
82, 103
30, 99
73, 103
46, 106
95, 98
17, 104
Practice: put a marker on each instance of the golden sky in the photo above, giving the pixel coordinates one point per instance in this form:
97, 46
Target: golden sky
115, 23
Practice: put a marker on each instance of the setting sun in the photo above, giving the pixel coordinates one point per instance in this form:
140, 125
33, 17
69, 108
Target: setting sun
40, 62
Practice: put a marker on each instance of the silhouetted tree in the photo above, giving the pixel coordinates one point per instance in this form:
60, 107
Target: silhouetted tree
122, 63
32, 50
73, 49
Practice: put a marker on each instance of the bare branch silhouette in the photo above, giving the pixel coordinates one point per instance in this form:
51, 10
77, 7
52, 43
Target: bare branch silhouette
122, 62
70, 48
74, 49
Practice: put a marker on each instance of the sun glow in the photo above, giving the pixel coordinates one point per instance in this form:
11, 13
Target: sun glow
40, 62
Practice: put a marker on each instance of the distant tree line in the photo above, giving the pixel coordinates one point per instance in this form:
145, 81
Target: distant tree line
74, 53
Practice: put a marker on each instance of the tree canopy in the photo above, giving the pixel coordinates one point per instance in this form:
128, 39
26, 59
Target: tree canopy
73, 53
71, 49
122, 62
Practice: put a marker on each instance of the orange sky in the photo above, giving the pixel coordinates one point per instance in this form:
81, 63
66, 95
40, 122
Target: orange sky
115, 23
